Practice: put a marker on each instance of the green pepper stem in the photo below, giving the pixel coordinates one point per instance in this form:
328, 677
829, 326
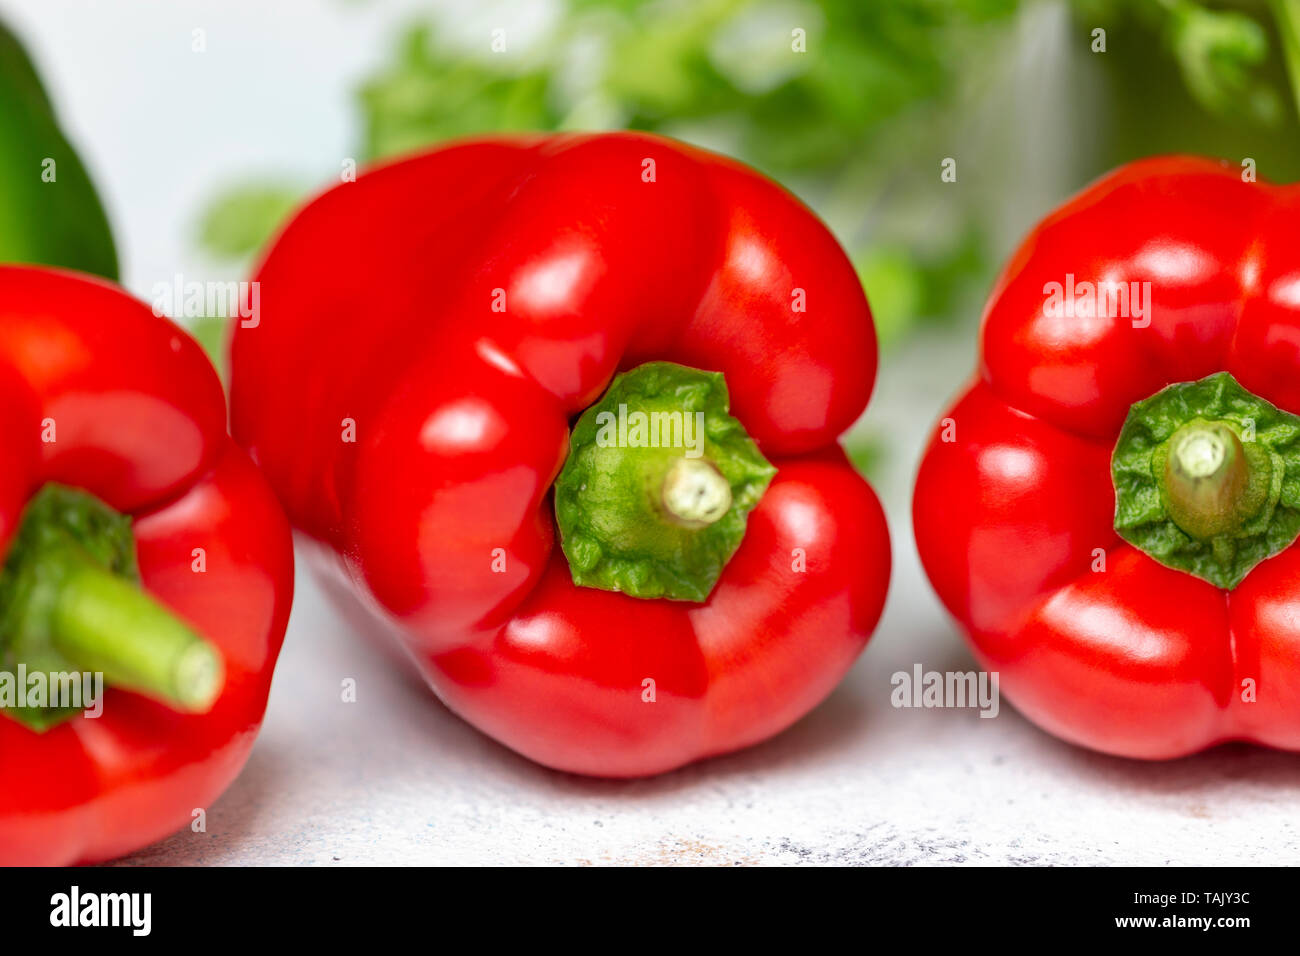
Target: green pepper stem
1203, 473
106, 624
660, 479
695, 493
70, 600
1206, 475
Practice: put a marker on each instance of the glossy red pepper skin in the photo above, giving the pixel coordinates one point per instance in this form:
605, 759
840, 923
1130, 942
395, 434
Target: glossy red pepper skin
377, 308
1140, 659
139, 421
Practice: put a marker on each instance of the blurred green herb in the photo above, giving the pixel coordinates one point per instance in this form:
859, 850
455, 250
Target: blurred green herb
825, 96
855, 125
675, 64
211, 331
235, 225
1287, 14
245, 217
1220, 53
866, 452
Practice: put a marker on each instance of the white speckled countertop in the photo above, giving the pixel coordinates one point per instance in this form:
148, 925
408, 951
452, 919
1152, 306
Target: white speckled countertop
396, 779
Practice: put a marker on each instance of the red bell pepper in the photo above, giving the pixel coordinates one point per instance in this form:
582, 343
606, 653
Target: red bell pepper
1110, 510
428, 334
138, 543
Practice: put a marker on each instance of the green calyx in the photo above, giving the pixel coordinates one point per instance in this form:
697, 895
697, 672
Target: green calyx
658, 486
71, 606
1207, 479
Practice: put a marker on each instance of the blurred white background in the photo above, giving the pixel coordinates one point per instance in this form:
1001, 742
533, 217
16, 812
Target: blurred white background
158, 124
